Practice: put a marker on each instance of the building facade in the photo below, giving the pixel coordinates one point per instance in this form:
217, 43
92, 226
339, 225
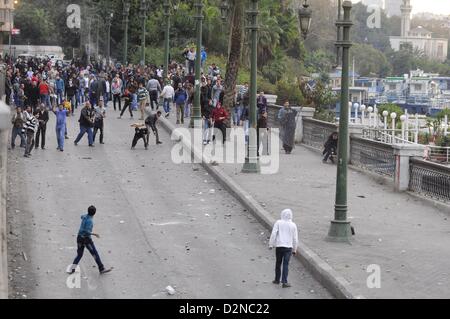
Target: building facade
6, 15
419, 38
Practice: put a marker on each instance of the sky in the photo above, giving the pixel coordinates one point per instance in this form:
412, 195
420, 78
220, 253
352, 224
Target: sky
433, 6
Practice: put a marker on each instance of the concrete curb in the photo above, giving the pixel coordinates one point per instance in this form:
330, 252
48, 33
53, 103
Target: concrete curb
336, 284
4, 124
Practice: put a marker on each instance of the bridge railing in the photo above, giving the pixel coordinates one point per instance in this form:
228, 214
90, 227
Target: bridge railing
430, 180
373, 156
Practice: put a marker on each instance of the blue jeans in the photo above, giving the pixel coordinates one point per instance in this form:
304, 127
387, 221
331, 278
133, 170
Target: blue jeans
283, 255
84, 242
167, 103
17, 131
60, 94
60, 134
84, 130
45, 99
237, 114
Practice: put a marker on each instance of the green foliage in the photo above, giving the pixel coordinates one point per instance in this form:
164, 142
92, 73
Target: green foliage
325, 115
390, 107
288, 91
370, 61
441, 115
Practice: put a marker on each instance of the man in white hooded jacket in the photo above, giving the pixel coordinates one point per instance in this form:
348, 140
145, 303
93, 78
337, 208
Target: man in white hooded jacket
285, 238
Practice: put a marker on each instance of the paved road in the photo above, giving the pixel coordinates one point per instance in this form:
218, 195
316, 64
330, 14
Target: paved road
159, 224
407, 238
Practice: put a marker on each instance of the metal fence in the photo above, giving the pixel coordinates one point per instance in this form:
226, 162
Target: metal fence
373, 156
316, 133
438, 154
430, 179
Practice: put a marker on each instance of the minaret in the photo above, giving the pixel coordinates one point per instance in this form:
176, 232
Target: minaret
406, 9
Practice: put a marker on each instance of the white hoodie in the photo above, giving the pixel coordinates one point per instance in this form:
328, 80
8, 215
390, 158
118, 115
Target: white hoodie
284, 233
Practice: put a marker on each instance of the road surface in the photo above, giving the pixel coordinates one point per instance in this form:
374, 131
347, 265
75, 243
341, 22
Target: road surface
160, 223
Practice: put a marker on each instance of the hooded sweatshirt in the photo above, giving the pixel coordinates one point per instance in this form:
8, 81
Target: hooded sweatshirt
87, 224
284, 233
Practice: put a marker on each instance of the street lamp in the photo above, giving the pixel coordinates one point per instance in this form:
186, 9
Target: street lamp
109, 18
340, 229
196, 120
126, 14
143, 15
305, 18
252, 164
166, 7
224, 9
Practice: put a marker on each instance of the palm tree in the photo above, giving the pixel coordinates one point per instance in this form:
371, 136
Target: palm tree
235, 51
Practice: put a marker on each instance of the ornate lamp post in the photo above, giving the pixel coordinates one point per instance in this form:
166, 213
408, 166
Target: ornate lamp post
126, 14
143, 15
224, 10
305, 18
340, 229
251, 164
109, 18
166, 7
196, 120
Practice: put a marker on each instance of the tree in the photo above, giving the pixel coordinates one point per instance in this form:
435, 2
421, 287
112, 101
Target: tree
234, 58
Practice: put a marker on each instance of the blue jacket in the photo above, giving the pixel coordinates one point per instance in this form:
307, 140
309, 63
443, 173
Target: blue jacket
180, 97
204, 55
87, 224
59, 84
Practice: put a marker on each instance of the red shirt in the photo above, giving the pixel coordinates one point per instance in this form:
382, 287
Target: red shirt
217, 113
43, 89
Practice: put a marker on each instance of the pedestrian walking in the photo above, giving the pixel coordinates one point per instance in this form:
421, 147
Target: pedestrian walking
18, 121
84, 240
127, 96
180, 100
30, 128
100, 115
284, 238
42, 117
168, 95
116, 88
288, 119
143, 99
154, 88
61, 118
86, 124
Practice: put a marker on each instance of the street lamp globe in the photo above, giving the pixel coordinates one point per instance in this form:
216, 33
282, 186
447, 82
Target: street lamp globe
305, 18
393, 115
356, 106
385, 113
363, 107
370, 109
224, 9
403, 118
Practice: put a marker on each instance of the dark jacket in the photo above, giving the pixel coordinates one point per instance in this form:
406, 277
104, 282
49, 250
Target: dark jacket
86, 118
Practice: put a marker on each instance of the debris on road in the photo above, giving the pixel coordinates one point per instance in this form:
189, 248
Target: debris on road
170, 290
24, 256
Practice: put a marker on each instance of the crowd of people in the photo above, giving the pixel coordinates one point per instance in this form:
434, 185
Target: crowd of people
37, 87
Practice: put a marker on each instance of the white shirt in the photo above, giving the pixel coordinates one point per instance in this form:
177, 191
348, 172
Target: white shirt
284, 233
168, 92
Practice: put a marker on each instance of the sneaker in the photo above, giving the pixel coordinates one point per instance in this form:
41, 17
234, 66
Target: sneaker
159, 143
66, 137
324, 161
91, 145
61, 150
26, 155
119, 118
43, 148
286, 285
167, 115
75, 143
105, 271
276, 282
332, 160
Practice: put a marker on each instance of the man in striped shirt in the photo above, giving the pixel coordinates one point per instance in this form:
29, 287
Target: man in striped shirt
29, 129
143, 99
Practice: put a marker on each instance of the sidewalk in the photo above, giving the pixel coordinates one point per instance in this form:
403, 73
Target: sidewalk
406, 237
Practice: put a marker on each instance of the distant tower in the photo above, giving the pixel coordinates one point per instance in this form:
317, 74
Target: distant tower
392, 7
406, 10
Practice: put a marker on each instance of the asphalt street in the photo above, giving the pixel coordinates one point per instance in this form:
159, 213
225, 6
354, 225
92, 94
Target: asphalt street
160, 223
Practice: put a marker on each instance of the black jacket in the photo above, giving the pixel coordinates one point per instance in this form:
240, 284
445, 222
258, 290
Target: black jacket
86, 118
